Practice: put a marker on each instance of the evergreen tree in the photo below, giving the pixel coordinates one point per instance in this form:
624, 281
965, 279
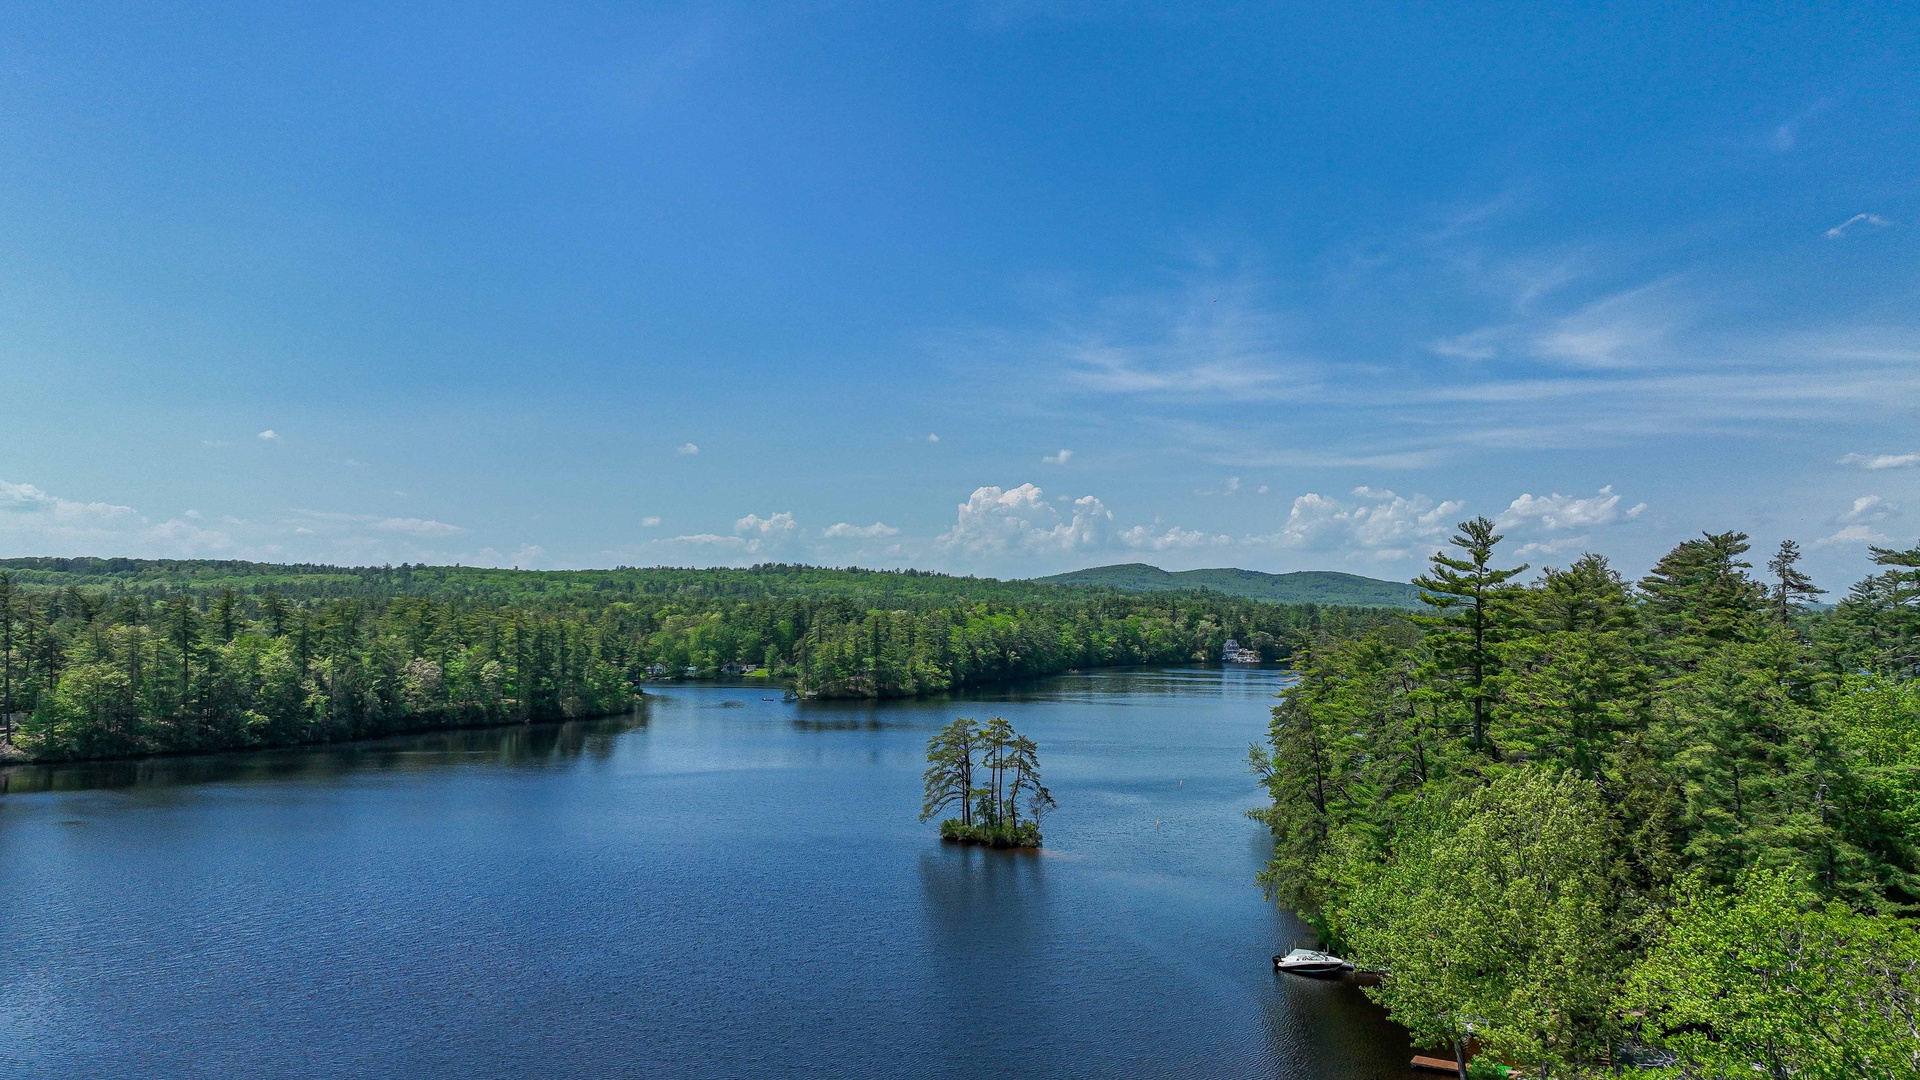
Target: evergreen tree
1470, 616
1697, 595
1791, 587
949, 776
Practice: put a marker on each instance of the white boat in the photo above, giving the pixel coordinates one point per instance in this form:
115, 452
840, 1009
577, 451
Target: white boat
1308, 962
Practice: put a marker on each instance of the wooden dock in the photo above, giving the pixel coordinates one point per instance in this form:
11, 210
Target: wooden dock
1436, 1064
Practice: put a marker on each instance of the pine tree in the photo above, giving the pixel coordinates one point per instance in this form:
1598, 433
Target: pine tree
949, 776
1696, 594
1791, 587
1470, 616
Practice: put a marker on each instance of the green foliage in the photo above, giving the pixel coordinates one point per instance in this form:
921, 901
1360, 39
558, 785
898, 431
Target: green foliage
214, 654
1765, 979
1008, 761
1299, 587
1472, 615
1494, 919
1642, 748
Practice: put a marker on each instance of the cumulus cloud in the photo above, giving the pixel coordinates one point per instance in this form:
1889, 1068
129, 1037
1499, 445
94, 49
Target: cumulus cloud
932, 437
1060, 458
1881, 461
649, 521
847, 531
686, 450
1380, 523
1839, 232
268, 435
1559, 513
1020, 520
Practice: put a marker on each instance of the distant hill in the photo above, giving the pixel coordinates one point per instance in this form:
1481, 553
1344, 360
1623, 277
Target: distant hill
1302, 587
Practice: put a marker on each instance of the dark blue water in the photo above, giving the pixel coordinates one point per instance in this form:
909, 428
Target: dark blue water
719, 885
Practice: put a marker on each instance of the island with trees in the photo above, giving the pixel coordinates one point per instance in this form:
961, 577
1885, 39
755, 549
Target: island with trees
1583, 823
988, 771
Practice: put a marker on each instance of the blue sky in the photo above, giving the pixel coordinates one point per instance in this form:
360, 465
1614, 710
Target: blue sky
998, 288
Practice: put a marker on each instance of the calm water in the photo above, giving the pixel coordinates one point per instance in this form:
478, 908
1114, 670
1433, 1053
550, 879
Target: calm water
719, 885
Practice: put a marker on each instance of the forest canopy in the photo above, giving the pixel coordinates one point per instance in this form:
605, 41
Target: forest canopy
123, 657
1585, 821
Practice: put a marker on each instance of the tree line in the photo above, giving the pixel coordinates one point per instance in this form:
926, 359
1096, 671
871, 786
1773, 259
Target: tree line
110, 658
1583, 821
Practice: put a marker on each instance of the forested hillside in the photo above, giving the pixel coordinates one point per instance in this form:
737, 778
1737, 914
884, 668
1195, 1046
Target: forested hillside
1300, 587
1583, 819
117, 657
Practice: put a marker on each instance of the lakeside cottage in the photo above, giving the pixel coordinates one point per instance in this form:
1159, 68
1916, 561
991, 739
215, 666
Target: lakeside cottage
1233, 653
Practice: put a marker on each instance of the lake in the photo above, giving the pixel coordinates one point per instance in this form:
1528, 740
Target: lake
721, 884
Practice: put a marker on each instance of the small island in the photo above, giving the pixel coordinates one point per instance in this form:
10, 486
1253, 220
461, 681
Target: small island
1008, 763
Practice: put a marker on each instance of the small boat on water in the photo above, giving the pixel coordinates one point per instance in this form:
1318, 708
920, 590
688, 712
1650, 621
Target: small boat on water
1308, 962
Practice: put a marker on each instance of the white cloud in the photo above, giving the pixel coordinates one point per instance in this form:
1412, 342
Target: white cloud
781, 524
649, 521
268, 435
1853, 534
994, 521
1474, 345
1060, 458
1171, 538
1209, 337
1551, 547
422, 527
1626, 330
932, 437
775, 535
1382, 525
1839, 231
33, 521
1867, 508
1558, 513
415, 526
686, 450
1881, 461
846, 531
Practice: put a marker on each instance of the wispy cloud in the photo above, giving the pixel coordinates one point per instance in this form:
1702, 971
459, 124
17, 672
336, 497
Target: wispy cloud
1881, 461
846, 531
686, 450
268, 435
1867, 509
1839, 232
33, 520
1060, 458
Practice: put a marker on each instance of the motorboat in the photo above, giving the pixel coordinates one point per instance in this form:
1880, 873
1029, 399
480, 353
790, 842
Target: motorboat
1309, 962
